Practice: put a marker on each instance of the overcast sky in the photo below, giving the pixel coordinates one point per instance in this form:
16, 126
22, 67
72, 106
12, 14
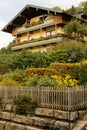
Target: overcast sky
9, 8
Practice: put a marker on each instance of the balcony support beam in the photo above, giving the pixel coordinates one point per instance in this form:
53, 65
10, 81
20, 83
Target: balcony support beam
56, 28
16, 40
41, 32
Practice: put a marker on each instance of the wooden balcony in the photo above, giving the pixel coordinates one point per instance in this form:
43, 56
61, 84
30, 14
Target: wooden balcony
46, 23
37, 42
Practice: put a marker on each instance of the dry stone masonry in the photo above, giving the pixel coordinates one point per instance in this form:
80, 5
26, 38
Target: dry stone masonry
44, 119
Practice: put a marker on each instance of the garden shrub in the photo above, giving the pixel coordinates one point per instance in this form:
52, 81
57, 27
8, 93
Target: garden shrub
15, 78
32, 81
1, 78
65, 81
82, 75
40, 71
24, 105
9, 82
85, 67
17, 75
68, 51
65, 69
46, 81
59, 55
3, 69
72, 69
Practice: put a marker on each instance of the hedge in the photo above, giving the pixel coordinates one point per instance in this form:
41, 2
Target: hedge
41, 72
69, 68
60, 69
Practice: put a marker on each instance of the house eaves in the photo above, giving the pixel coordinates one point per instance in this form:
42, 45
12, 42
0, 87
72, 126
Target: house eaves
28, 11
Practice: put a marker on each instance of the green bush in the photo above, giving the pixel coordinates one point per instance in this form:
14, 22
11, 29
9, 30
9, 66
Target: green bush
24, 105
46, 81
72, 69
15, 78
3, 69
82, 75
65, 69
32, 81
68, 51
9, 82
40, 72
59, 55
1, 78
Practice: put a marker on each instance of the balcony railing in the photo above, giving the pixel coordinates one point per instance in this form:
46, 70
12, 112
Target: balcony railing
37, 42
46, 23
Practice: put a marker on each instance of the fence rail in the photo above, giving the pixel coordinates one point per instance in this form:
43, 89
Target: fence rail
49, 97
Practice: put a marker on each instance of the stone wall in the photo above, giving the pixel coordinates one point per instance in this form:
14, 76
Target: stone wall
44, 119
12, 121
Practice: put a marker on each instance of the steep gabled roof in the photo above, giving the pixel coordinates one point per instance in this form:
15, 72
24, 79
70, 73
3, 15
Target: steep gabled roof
29, 11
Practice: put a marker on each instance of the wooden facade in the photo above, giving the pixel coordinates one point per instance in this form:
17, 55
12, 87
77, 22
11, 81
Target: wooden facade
34, 24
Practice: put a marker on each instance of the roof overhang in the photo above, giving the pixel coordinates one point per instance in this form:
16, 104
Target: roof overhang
28, 12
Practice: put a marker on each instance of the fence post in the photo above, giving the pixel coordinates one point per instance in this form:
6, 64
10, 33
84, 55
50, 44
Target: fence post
69, 108
6, 94
85, 97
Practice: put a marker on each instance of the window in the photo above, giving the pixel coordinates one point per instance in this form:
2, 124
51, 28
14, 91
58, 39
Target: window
30, 38
53, 32
18, 39
48, 33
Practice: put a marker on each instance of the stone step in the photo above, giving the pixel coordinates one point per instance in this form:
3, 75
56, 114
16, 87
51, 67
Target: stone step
39, 122
85, 117
85, 128
14, 126
81, 125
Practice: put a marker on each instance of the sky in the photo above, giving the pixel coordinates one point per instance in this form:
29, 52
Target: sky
9, 8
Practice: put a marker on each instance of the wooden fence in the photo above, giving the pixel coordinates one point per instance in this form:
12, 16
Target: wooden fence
49, 97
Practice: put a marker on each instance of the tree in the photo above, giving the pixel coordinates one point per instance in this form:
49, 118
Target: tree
85, 7
82, 30
56, 8
72, 10
81, 8
76, 28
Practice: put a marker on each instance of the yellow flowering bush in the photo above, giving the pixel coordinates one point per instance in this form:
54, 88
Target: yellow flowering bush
66, 81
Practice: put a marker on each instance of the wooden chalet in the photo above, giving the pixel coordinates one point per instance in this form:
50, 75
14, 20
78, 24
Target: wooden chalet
37, 28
